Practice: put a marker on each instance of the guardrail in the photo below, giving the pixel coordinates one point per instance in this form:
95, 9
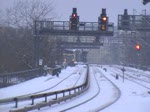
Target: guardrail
9, 79
57, 97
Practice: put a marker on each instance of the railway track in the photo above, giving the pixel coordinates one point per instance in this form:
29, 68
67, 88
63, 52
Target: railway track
97, 77
138, 81
136, 74
75, 83
71, 76
117, 98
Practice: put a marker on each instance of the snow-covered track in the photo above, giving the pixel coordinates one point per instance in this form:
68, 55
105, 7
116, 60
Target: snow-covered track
97, 75
135, 74
130, 78
82, 103
23, 97
58, 96
117, 98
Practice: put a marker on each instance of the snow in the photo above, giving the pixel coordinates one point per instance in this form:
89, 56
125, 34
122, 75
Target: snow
134, 98
106, 97
37, 84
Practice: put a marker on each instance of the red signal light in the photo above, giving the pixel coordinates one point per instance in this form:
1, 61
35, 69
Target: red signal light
137, 47
73, 15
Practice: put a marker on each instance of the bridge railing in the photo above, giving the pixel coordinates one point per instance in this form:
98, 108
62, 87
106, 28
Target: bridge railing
139, 22
8, 79
65, 25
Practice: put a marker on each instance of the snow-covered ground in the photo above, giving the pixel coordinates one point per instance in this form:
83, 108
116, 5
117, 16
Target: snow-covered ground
42, 83
134, 98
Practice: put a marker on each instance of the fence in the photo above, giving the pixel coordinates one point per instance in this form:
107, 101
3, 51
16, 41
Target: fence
18, 77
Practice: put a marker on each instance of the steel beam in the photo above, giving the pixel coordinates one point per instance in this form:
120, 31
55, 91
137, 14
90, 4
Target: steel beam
80, 45
75, 33
136, 22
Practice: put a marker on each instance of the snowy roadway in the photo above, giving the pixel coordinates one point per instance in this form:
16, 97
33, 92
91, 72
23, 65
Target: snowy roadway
134, 98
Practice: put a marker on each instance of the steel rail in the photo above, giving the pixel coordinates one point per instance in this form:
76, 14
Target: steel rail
119, 94
81, 88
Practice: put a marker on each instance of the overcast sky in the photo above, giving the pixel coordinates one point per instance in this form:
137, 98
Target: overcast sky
89, 10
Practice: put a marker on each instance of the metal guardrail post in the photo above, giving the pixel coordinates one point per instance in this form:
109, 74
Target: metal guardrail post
45, 95
16, 102
64, 94
32, 97
74, 90
56, 96
78, 89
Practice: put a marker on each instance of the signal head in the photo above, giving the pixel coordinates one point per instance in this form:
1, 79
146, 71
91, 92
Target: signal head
74, 15
104, 18
103, 27
145, 2
137, 47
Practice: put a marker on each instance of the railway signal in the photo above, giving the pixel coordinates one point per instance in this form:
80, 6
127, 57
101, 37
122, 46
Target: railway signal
145, 2
137, 47
74, 20
133, 22
125, 19
103, 21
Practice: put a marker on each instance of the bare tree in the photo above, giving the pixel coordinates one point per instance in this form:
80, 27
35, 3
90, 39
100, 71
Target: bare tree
17, 33
24, 12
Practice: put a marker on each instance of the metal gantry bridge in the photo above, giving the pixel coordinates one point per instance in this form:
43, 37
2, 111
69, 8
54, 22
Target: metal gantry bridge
63, 28
133, 22
73, 27
139, 26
